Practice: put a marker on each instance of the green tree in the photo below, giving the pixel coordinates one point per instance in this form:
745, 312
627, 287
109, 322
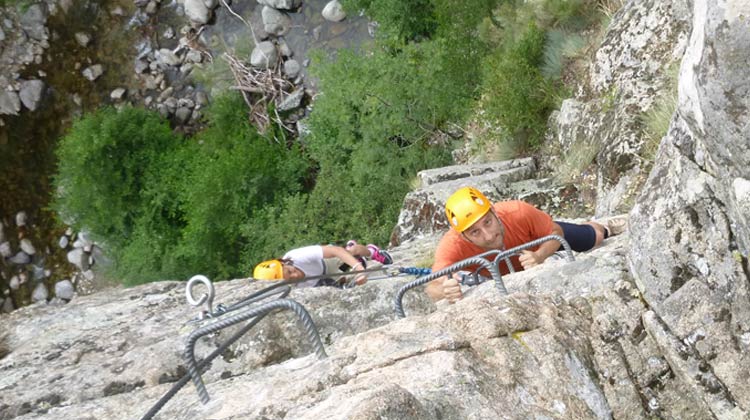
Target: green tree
167, 207
105, 163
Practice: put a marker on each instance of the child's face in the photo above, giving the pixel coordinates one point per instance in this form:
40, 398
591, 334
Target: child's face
292, 273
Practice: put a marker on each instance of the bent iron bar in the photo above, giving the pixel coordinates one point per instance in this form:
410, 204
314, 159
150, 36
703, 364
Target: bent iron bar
202, 366
299, 310
492, 267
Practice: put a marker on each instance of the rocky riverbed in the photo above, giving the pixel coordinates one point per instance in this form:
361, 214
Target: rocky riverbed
62, 58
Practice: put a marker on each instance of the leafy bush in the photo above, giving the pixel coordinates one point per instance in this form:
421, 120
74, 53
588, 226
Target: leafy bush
516, 94
400, 21
370, 133
169, 208
105, 163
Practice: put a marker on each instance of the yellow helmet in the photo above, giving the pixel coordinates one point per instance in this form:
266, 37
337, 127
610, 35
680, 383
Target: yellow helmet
269, 270
465, 207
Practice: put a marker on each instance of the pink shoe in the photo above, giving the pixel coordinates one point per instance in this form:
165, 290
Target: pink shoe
379, 255
350, 244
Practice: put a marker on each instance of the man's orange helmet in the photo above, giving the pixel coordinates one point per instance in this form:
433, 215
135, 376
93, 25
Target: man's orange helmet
465, 207
269, 270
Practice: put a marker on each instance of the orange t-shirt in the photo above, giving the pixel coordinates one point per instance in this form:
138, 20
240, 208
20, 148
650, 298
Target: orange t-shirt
523, 223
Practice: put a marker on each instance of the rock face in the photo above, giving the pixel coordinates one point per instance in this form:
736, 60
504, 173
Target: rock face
423, 211
692, 261
644, 42
112, 343
654, 324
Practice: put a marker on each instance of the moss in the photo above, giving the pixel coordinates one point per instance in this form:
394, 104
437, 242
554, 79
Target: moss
516, 335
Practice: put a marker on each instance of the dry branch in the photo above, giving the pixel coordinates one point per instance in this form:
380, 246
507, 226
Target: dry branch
260, 87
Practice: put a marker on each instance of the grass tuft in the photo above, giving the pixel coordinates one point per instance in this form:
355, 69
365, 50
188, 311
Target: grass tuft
657, 119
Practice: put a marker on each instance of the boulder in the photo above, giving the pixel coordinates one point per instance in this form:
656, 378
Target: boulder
334, 11
275, 22
197, 11
93, 72
264, 55
31, 93
64, 289
10, 103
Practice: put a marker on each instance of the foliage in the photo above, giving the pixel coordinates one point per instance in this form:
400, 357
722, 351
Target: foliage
106, 160
400, 21
516, 94
561, 46
369, 133
168, 208
222, 201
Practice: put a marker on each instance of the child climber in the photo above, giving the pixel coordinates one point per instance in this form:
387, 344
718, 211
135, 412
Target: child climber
318, 260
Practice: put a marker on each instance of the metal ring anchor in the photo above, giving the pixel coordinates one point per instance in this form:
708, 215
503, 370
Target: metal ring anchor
207, 298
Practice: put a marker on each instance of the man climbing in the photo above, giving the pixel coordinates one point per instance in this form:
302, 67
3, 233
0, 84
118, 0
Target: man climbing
475, 229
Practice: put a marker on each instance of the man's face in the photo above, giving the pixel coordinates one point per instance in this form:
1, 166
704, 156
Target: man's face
488, 232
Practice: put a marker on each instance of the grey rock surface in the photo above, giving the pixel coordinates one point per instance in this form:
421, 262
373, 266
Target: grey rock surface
644, 42
264, 55
31, 93
691, 264
10, 103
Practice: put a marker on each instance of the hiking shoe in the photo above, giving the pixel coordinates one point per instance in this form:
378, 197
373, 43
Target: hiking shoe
617, 224
379, 255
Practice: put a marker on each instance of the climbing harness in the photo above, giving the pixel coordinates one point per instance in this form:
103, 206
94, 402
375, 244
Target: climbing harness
473, 279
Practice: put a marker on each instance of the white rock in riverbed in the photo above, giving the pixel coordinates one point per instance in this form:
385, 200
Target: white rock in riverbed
334, 12
168, 57
291, 68
27, 246
5, 250
82, 38
31, 93
93, 72
118, 94
20, 258
14, 283
40, 293
75, 257
274, 21
264, 55
21, 219
64, 289
10, 103
197, 11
